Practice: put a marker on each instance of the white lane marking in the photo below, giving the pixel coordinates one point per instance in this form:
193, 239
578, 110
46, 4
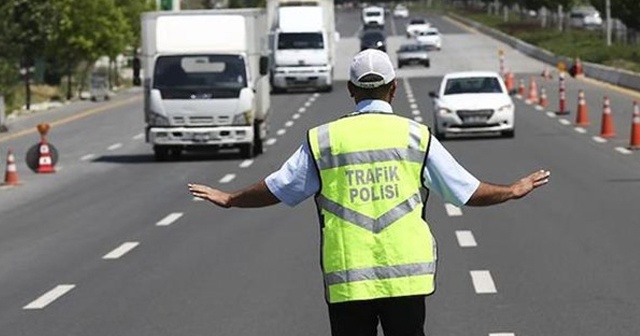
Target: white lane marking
599, 139
564, 121
288, 123
482, 282
50, 296
302, 109
452, 210
121, 250
281, 131
312, 99
413, 106
307, 104
528, 102
172, 217
551, 114
295, 116
227, 178
539, 108
88, 157
246, 163
580, 130
518, 96
114, 146
270, 141
466, 239
415, 112
418, 119
316, 95
623, 150
502, 334
138, 136
197, 199
411, 100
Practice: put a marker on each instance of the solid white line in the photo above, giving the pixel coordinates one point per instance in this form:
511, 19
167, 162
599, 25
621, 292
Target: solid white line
138, 136
49, 297
114, 146
466, 239
418, 119
172, 217
246, 163
227, 178
413, 106
121, 250
580, 130
302, 109
623, 150
482, 282
295, 116
288, 123
415, 112
564, 121
551, 114
281, 131
88, 157
599, 139
502, 334
270, 141
452, 210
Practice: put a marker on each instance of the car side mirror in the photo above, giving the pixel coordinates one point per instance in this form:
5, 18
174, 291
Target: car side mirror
136, 72
264, 65
433, 94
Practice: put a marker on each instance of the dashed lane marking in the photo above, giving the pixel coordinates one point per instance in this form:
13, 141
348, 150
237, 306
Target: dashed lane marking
418, 119
551, 114
169, 219
197, 199
564, 121
121, 250
270, 142
114, 147
288, 123
138, 136
281, 131
50, 296
88, 157
295, 116
466, 239
483, 282
452, 210
246, 163
599, 139
413, 106
623, 150
539, 108
307, 104
227, 178
415, 112
302, 109
580, 130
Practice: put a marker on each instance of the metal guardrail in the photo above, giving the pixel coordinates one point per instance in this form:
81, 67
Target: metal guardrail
603, 73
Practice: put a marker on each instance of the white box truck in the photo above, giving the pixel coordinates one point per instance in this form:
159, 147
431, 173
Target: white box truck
303, 44
206, 80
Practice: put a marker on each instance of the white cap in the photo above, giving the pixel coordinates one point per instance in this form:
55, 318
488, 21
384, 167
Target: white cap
371, 62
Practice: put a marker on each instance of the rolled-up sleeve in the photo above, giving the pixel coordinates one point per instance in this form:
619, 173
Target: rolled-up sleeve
296, 180
444, 175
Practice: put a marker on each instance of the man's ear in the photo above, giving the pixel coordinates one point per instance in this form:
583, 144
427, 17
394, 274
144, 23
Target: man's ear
392, 91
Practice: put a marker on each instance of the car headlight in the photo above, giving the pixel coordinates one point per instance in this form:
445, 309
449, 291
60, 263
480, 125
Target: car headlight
505, 108
243, 119
156, 119
444, 111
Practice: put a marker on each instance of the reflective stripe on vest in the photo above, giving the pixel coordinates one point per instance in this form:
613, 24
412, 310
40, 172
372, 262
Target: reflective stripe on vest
375, 242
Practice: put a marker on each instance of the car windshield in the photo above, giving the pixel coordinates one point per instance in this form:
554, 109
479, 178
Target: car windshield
300, 41
200, 71
472, 85
417, 21
432, 33
413, 47
371, 14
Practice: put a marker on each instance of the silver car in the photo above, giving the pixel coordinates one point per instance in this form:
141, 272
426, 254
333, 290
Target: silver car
414, 53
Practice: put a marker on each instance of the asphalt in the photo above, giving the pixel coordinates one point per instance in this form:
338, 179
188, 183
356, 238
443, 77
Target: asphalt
563, 260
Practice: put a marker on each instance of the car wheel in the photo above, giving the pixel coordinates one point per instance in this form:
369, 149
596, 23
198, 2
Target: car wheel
247, 151
427, 64
400, 65
161, 153
509, 134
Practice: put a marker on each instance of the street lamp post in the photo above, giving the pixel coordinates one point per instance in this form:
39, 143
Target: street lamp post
608, 14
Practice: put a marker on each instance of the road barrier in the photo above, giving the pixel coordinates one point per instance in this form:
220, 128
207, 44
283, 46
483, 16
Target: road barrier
562, 90
634, 142
11, 173
543, 102
582, 114
607, 130
532, 98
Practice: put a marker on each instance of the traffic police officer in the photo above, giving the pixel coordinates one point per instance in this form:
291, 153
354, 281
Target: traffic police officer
369, 171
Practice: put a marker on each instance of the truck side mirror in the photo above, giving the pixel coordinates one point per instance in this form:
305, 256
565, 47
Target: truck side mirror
136, 72
264, 65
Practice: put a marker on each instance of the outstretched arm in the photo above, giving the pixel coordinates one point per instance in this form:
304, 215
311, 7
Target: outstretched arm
490, 194
255, 196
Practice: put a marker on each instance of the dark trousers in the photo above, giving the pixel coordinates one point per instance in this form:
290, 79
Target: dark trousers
400, 316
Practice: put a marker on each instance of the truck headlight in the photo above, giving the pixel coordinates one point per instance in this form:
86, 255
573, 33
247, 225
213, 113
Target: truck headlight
156, 119
243, 119
505, 108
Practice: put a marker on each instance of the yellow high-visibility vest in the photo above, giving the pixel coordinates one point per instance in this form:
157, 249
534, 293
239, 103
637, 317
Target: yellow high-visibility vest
375, 241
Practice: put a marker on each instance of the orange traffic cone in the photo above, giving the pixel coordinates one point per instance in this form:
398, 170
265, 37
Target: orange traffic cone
510, 82
543, 98
606, 129
45, 162
533, 91
11, 174
521, 88
582, 117
579, 71
635, 127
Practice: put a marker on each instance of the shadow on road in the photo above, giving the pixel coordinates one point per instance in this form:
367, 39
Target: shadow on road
184, 157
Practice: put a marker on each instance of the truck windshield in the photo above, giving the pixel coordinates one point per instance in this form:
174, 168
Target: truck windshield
300, 41
200, 72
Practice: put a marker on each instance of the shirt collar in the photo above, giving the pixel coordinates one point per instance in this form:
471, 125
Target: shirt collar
373, 105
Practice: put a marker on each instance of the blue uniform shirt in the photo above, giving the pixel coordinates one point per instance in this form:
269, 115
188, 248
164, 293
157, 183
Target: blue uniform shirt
298, 179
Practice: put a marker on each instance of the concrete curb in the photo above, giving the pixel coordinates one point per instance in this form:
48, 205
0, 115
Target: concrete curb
603, 73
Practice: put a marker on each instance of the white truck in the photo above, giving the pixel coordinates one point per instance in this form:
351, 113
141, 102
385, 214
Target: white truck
303, 44
206, 82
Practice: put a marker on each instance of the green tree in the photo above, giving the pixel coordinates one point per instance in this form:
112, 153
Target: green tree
628, 11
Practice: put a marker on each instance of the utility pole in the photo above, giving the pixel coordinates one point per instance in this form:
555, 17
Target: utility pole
608, 13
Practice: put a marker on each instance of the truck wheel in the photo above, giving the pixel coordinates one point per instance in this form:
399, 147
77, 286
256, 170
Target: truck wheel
161, 153
509, 133
175, 153
328, 88
247, 151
